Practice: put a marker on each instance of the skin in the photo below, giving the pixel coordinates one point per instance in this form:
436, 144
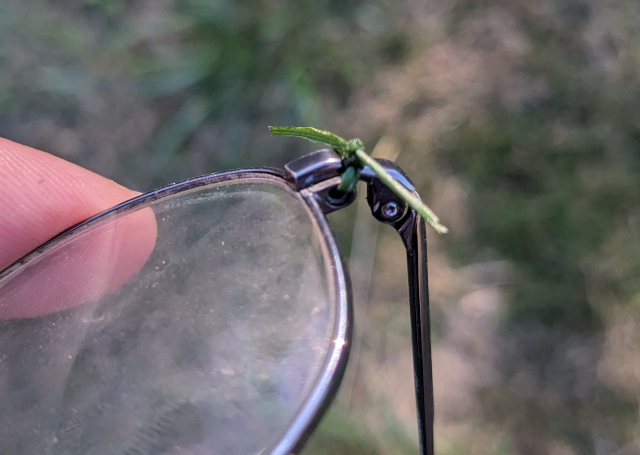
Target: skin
42, 195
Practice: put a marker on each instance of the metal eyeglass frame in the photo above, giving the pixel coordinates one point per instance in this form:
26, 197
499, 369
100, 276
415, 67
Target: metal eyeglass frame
317, 174
315, 178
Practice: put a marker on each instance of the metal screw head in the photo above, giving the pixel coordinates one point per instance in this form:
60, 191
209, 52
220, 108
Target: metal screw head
390, 210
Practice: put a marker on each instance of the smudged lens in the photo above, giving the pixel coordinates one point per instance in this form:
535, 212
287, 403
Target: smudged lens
194, 322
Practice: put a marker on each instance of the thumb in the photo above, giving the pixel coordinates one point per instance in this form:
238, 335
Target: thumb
42, 195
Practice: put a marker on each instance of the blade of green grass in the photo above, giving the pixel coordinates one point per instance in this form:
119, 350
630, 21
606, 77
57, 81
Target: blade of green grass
398, 188
312, 134
354, 147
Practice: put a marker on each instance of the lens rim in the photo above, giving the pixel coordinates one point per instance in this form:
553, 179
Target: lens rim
332, 371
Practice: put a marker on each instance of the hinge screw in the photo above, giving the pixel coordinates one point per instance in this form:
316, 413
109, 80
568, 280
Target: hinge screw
390, 210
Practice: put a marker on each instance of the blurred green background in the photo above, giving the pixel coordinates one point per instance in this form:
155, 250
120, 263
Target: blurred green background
519, 122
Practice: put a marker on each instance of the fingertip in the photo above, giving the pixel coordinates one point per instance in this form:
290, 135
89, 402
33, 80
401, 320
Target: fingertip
42, 195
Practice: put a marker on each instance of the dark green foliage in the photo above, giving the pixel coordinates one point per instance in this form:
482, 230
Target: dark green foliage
554, 186
531, 204
338, 435
191, 90
547, 203
257, 59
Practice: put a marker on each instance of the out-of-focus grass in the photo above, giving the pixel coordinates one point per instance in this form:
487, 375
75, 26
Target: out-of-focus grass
179, 88
342, 432
340, 435
518, 121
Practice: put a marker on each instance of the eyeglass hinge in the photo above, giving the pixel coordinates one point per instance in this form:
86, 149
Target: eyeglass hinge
388, 208
319, 172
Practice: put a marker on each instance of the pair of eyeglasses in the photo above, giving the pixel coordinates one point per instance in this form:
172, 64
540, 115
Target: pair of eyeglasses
211, 316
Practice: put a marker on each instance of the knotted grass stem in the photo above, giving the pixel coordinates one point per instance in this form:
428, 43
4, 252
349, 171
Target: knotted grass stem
354, 147
398, 188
